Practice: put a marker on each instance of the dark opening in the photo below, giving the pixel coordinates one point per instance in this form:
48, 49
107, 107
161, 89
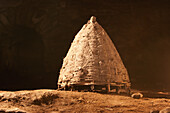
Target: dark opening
21, 57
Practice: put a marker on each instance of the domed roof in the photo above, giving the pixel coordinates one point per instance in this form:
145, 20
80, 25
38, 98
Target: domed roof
92, 58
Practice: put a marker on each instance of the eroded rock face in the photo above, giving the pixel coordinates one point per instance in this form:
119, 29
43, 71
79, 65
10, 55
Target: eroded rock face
12, 110
165, 110
27, 98
92, 58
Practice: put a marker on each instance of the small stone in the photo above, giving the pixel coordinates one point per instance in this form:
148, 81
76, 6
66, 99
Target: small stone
137, 95
80, 99
110, 109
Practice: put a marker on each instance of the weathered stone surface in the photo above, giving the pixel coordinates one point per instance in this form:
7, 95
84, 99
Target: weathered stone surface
165, 110
154, 111
92, 58
77, 102
12, 110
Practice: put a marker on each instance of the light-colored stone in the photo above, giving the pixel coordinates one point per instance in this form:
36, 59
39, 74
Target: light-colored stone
137, 95
12, 110
93, 19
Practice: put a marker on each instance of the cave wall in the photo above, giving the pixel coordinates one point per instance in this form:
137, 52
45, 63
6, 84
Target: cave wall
42, 32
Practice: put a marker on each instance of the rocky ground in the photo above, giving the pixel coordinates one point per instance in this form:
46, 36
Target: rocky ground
53, 101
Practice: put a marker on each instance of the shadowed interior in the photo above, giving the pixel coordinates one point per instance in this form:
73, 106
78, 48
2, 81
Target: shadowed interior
21, 58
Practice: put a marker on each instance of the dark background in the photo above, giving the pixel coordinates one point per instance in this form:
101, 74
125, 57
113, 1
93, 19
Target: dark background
35, 36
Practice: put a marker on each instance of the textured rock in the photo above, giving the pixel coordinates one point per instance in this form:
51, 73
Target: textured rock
165, 110
76, 102
92, 59
12, 110
154, 111
36, 98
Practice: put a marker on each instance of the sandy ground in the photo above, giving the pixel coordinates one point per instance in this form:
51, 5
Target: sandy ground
53, 101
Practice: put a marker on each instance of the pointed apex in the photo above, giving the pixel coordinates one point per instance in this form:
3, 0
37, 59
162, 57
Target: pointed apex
93, 19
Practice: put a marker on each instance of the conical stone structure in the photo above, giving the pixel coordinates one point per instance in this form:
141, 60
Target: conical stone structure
92, 59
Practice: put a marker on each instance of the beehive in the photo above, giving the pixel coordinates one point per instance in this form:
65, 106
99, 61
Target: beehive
92, 59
